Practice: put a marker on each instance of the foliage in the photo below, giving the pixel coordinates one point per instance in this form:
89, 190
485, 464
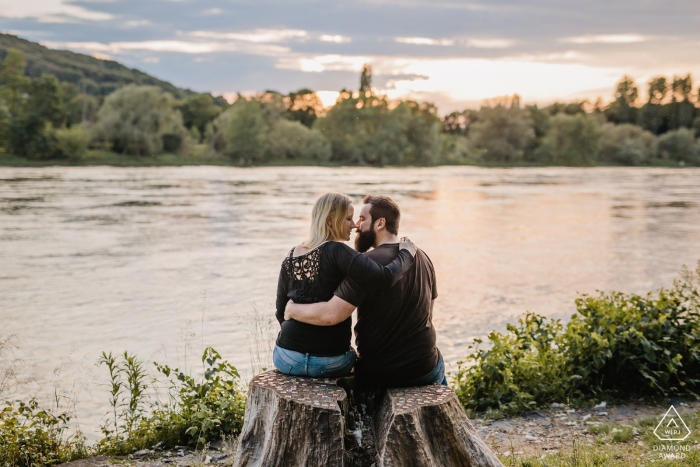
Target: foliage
365, 130
31, 436
135, 119
502, 134
197, 111
244, 131
292, 140
679, 145
572, 140
72, 142
617, 345
626, 144
196, 412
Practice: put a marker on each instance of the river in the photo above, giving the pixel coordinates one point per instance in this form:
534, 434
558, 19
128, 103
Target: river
162, 262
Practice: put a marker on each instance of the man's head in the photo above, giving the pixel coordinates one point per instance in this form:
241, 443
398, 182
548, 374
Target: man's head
378, 222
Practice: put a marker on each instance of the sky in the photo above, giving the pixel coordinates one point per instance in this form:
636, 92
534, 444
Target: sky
457, 54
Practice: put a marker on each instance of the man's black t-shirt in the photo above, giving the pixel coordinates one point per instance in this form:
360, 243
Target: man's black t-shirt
394, 332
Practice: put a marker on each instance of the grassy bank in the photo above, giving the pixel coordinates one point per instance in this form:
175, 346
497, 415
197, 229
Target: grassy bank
202, 155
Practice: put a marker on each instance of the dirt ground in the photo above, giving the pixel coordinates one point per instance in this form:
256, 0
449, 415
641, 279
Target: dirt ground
558, 428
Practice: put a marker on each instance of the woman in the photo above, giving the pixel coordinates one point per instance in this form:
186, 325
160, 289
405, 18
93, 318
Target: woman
311, 273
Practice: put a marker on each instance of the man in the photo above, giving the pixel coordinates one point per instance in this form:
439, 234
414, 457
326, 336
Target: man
394, 332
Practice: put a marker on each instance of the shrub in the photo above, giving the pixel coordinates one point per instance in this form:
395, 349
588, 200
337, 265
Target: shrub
617, 346
626, 144
72, 142
679, 145
31, 436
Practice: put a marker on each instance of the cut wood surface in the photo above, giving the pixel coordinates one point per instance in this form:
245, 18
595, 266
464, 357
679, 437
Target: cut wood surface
308, 422
292, 422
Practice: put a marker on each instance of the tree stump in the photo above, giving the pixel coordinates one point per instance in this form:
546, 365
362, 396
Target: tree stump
292, 422
308, 422
426, 427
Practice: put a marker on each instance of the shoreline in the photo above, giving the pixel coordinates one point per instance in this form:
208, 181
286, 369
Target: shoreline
205, 158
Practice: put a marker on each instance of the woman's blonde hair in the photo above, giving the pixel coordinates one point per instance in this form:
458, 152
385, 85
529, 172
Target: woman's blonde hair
327, 218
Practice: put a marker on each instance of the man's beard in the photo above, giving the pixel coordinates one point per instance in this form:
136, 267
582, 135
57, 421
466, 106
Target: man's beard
365, 240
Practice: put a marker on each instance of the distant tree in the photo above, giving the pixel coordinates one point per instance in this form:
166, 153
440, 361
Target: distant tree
366, 79
244, 131
304, 106
627, 90
197, 111
681, 111
571, 108
653, 116
502, 134
292, 140
572, 140
679, 145
13, 83
138, 119
457, 123
622, 109
626, 144
658, 89
365, 130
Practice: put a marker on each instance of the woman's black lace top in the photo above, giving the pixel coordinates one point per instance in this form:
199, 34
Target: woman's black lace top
313, 277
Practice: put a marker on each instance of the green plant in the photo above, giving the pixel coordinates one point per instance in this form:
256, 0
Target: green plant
73, 141
30, 436
127, 390
616, 346
201, 411
195, 411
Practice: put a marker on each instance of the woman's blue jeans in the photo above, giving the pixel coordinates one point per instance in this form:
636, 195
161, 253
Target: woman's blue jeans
294, 363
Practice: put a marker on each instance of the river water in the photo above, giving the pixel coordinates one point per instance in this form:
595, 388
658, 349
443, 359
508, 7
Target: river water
162, 262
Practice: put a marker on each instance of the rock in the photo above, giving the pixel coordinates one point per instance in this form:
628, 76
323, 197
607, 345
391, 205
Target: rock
306, 422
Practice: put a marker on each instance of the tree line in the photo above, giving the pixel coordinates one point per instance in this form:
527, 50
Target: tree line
44, 118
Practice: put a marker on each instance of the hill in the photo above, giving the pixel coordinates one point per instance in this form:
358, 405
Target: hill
95, 76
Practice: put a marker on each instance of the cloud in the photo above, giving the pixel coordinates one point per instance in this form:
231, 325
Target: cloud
178, 46
213, 11
607, 39
489, 43
337, 38
258, 35
467, 42
50, 11
423, 41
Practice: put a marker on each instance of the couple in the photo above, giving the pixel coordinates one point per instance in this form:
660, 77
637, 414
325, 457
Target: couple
393, 287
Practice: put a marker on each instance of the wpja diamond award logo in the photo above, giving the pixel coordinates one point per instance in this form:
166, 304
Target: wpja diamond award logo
672, 427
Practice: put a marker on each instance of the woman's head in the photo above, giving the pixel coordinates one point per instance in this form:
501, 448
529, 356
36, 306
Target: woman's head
331, 219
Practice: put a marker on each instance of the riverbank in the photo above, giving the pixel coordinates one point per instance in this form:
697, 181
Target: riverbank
612, 436
203, 155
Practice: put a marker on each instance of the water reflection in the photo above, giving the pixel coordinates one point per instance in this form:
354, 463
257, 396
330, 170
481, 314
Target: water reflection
162, 261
